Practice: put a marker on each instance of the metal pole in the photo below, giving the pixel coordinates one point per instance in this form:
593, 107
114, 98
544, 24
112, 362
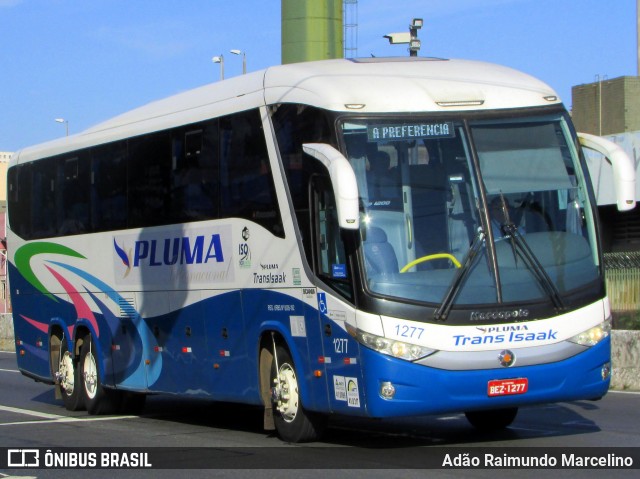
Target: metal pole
600, 79
220, 60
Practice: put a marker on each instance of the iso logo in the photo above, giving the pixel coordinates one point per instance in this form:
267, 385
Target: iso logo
23, 458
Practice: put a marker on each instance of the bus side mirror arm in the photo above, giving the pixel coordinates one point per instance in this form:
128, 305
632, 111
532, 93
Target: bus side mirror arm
343, 179
624, 173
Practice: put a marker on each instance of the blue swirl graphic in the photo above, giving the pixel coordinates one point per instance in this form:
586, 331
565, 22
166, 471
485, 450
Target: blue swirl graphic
146, 337
122, 254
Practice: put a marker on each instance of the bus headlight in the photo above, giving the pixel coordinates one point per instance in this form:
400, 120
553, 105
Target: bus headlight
594, 335
391, 347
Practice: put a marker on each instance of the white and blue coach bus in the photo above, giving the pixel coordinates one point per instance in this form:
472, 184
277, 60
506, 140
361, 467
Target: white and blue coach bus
369, 237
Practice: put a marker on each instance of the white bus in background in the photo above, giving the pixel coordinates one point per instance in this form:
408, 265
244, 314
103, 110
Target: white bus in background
371, 237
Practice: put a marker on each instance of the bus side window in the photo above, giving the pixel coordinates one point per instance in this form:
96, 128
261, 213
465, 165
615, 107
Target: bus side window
194, 188
20, 200
331, 262
72, 204
295, 125
45, 187
247, 187
108, 187
148, 179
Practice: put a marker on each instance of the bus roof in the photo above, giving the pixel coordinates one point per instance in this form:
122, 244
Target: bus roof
367, 85
404, 84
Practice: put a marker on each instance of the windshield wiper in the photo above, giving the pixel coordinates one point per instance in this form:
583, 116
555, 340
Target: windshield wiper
518, 242
441, 313
520, 246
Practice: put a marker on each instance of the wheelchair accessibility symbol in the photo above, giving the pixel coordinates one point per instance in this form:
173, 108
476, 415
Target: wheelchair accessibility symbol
322, 303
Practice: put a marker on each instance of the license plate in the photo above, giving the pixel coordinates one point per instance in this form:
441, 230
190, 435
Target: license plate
507, 387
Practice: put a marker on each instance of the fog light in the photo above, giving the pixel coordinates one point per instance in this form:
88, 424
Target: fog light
606, 371
387, 390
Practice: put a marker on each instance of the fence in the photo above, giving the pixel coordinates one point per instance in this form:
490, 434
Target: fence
7, 342
622, 274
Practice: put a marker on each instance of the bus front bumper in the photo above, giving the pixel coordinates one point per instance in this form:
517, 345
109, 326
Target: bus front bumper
394, 387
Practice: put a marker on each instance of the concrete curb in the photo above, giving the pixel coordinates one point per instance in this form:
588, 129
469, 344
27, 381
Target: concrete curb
625, 354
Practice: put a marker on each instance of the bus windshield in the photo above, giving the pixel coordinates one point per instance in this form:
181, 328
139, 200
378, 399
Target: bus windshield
498, 208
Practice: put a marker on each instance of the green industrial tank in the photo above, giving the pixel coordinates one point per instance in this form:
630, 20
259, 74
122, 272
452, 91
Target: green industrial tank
311, 30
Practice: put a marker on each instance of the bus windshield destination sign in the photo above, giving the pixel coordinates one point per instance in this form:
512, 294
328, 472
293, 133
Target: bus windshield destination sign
416, 131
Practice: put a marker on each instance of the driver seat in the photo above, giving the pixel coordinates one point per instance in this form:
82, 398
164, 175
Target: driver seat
380, 257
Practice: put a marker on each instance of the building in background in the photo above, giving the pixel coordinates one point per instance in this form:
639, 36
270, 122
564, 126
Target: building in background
611, 108
607, 107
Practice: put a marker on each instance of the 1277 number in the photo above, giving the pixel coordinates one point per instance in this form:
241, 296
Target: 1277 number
412, 332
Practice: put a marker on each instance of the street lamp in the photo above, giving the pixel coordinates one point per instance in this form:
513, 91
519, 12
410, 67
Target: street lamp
66, 124
244, 59
220, 60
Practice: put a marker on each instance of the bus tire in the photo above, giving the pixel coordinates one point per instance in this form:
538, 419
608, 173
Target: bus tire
69, 379
293, 423
98, 399
492, 420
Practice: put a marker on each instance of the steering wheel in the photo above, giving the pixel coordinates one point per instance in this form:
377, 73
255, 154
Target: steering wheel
430, 257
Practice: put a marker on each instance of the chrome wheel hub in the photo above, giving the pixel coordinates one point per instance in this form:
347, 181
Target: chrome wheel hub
65, 375
90, 373
285, 393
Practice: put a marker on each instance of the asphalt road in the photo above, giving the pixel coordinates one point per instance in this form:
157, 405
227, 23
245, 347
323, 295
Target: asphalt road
30, 417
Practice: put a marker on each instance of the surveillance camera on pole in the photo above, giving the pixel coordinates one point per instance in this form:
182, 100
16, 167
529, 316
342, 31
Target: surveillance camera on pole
398, 38
414, 44
410, 37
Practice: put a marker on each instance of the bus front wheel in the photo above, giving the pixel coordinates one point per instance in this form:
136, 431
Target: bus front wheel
292, 421
492, 420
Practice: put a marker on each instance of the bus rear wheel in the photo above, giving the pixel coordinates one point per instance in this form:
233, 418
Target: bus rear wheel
293, 423
98, 399
492, 420
68, 379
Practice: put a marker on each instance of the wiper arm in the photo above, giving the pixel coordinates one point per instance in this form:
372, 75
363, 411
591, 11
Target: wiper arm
441, 313
517, 239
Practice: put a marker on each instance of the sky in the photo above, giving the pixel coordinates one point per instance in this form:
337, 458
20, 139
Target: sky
88, 60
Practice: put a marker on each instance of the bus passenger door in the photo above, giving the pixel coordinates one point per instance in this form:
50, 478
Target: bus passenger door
331, 266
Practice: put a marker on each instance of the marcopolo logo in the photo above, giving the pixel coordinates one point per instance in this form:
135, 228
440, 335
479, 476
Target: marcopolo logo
198, 251
497, 315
